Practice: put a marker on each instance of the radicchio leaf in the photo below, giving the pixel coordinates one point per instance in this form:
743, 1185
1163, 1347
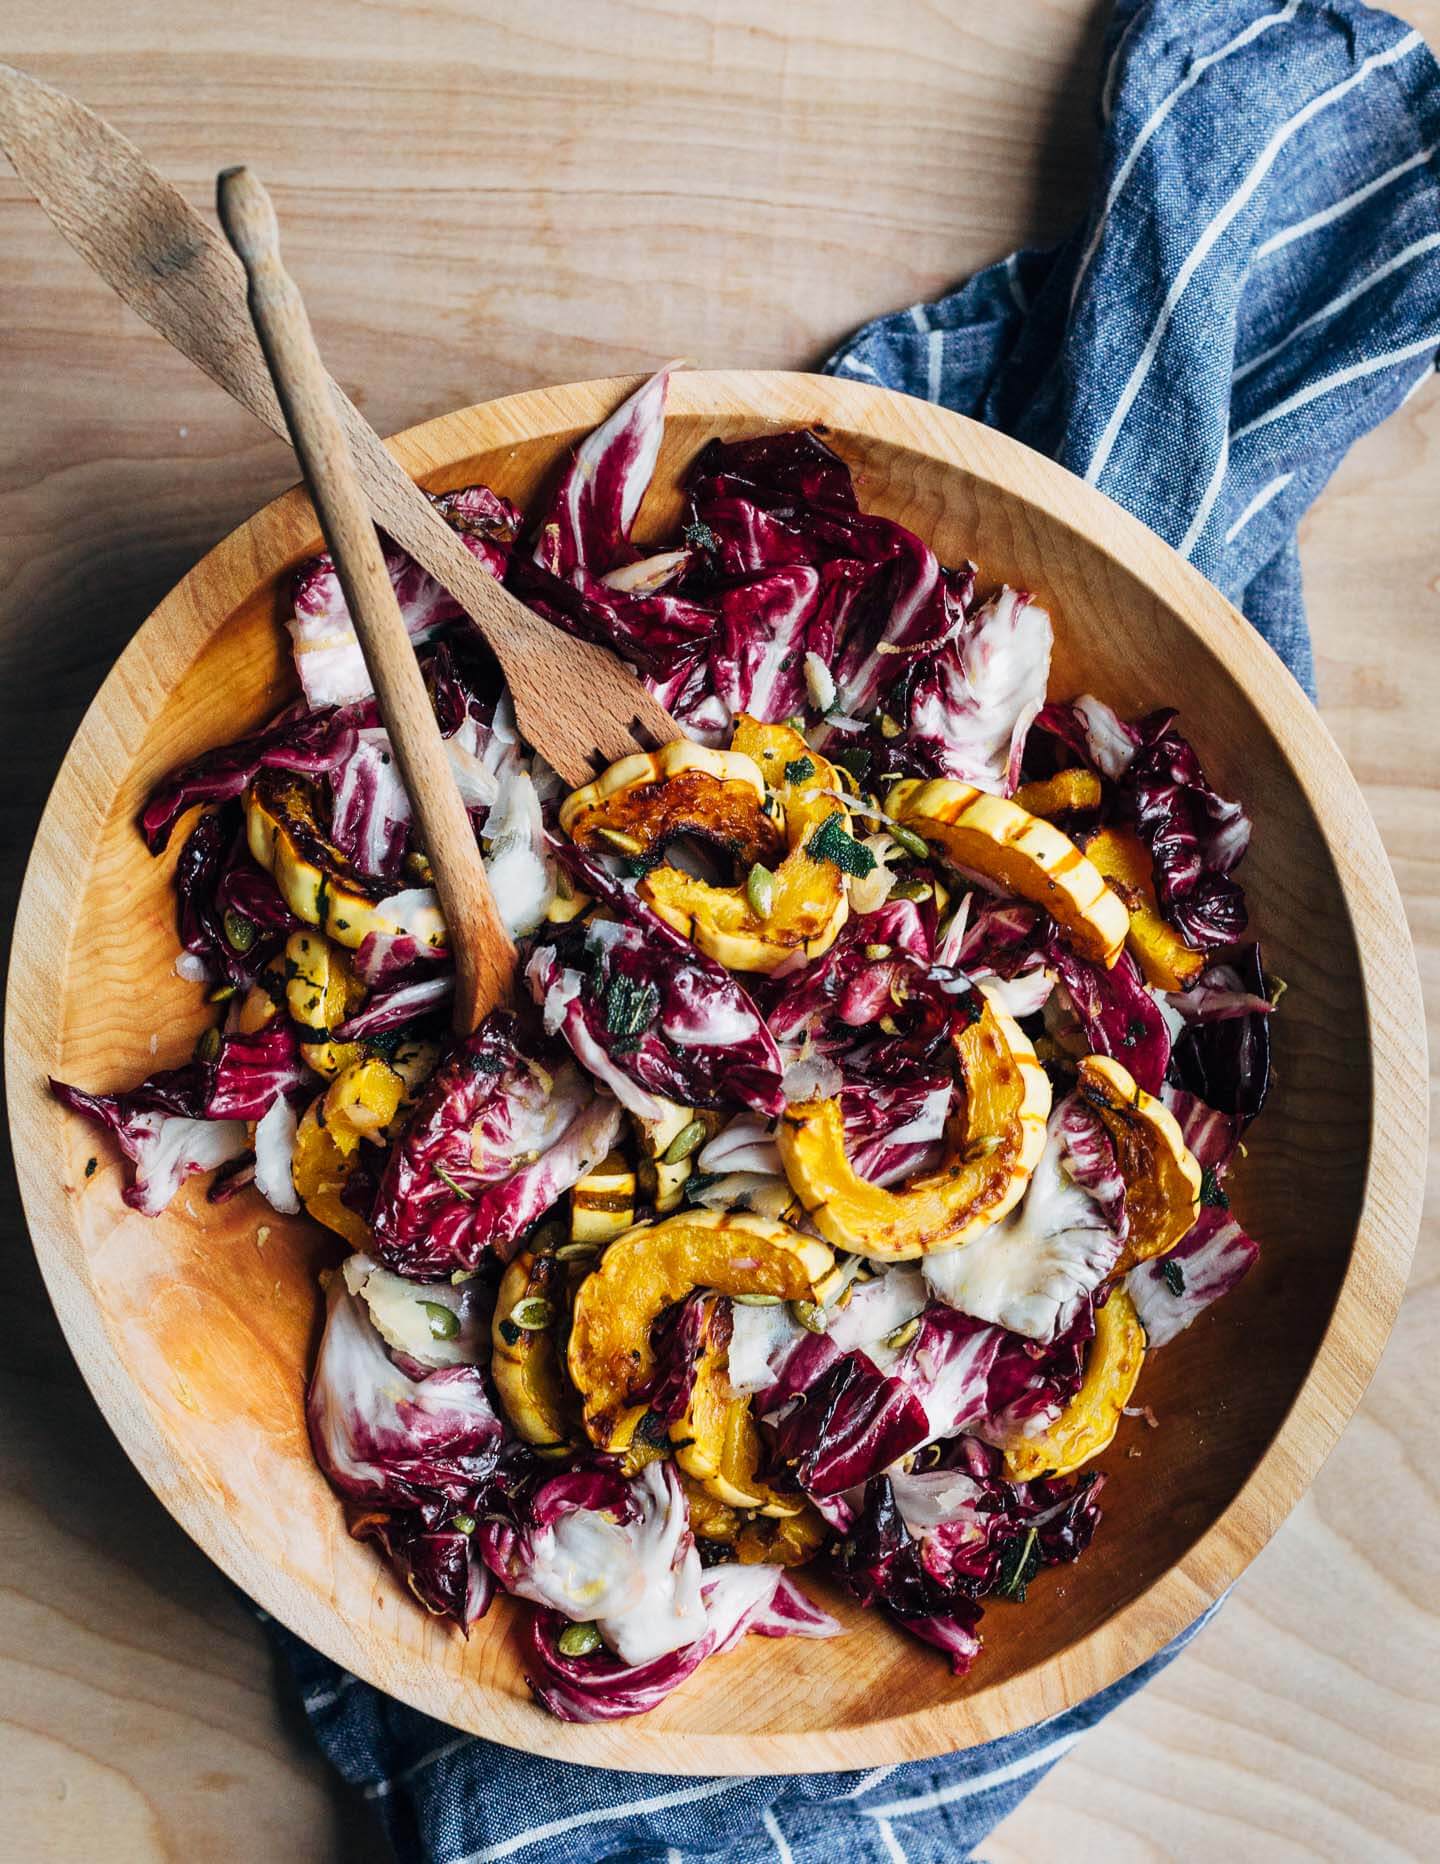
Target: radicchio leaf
164, 1147
618, 1554
215, 877
438, 1564
971, 703
927, 1545
327, 653
1031, 1272
840, 1417
1117, 1013
1227, 1061
648, 1014
309, 743
494, 1139
602, 1687
1171, 1291
1194, 835
389, 1439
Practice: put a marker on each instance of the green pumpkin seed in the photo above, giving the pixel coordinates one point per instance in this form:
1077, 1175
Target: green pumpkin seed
444, 1321
578, 1640
907, 839
760, 891
687, 1140
532, 1315
463, 1523
617, 838
890, 727
239, 931
756, 1300
903, 1334
876, 952
576, 1252
911, 890
811, 1316
208, 1047
222, 993
982, 1147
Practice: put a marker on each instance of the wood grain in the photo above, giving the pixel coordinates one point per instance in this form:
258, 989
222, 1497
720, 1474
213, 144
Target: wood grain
582, 707
534, 207
484, 953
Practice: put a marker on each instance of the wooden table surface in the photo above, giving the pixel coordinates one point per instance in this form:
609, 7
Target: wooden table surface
479, 199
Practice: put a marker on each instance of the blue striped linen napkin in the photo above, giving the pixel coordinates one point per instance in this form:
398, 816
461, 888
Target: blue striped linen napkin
1255, 287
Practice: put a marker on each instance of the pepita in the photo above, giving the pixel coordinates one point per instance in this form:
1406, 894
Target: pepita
532, 1315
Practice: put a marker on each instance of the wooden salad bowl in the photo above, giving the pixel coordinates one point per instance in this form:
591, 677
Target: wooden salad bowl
195, 1330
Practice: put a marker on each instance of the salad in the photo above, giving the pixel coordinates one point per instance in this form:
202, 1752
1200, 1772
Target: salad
860, 1124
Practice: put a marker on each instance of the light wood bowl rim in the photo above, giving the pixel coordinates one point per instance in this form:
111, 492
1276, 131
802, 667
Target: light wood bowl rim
1368, 1298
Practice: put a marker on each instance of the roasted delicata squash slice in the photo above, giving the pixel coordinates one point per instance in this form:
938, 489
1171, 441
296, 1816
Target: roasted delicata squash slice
1068, 792
662, 1185
317, 881
1162, 1175
716, 1439
1166, 960
1022, 853
645, 801
319, 1168
763, 920
361, 1102
651, 1268
992, 1146
1089, 1421
788, 1540
602, 1203
321, 989
526, 1362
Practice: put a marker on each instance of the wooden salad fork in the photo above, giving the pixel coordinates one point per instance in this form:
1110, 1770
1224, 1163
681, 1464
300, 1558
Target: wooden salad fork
483, 953
576, 703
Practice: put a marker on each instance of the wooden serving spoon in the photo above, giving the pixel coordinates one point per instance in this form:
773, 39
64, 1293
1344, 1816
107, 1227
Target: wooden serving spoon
578, 705
483, 953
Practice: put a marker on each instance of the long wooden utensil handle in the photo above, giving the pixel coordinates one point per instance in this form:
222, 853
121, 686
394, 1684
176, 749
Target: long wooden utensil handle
574, 702
483, 953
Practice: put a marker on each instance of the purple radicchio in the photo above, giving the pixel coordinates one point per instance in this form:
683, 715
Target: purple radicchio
438, 1564
599, 1549
495, 1137
327, 653
232, 917
1171, 1291
1029, 1381
879, 966
1226, 1060
165, 1147
972, 702
1212, 1137
600, 1688
648, 1015
1031, 1272
1090, 732
1117, 1015
1195, 836
927, 1545
184, 1121
837, 1417
307, 743
390, 1439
